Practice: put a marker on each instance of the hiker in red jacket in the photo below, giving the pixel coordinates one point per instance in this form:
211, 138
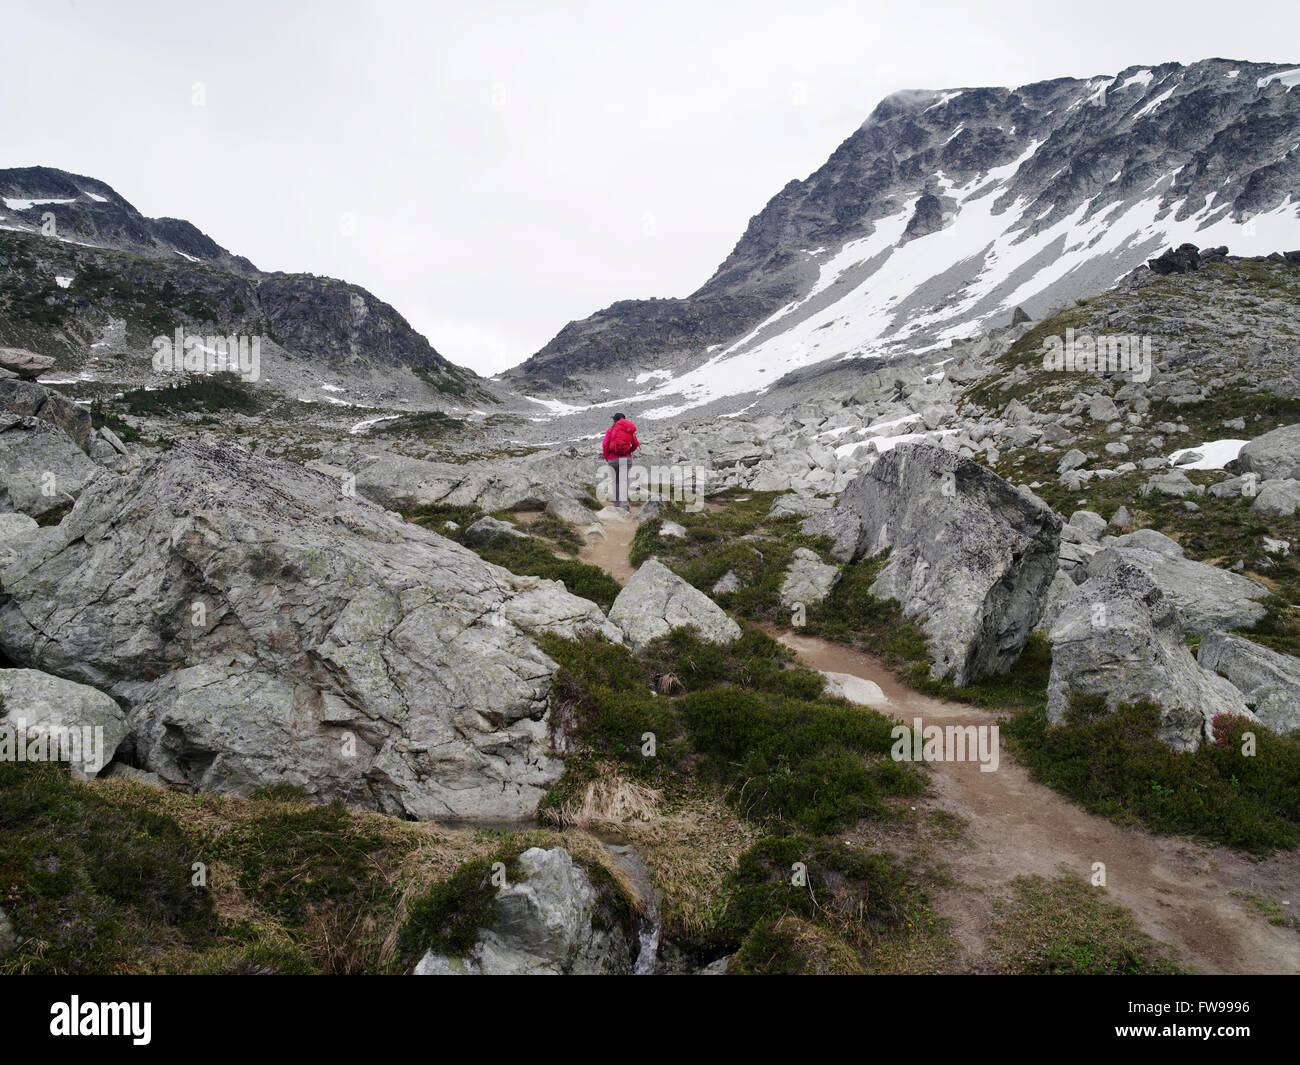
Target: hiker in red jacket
619, 443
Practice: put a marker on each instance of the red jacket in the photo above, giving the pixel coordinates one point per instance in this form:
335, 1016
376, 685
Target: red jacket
623, 429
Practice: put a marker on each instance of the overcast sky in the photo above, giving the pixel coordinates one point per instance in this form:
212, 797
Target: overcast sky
497, 169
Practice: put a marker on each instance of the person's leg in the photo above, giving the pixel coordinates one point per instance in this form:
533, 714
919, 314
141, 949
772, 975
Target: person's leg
613, 481
623, 500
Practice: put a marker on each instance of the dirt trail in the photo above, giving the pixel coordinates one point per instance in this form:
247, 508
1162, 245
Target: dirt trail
610, 552
1177, 889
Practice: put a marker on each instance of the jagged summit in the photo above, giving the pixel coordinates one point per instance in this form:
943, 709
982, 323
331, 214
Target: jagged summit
946, 210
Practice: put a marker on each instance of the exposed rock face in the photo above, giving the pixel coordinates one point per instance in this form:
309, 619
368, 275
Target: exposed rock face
655, 601
1207, 598
261, 626
26, 398
970, 557
1059, 593
403, 483
58, 709
1269, 681
41, 467
809, 580
549, 924
1273, 455
1121, 638
25, 364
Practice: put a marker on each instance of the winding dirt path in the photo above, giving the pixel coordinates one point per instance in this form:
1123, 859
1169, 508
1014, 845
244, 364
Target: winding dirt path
1178, 889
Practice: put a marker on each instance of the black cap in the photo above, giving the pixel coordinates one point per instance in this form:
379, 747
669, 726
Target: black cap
618, 417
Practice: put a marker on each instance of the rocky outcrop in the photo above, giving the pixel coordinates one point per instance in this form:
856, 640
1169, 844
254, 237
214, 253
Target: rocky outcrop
655, 601
28, 399
41, 467
1207, 598
400, 482
1121, 638
1269, 681
24, 364
970, 557
261, 626
553, 922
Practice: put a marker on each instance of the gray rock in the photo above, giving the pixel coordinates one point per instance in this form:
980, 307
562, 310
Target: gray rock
854, 689
655, 601
970, 556
792, 503
30, 400
488, 530
1207, 597
8, 935
728, 582
1092, 525
809, 580
1102, 409
570, 510
1120, 638
1269, 681
673, 530
26, 365
1060, 592
554, 922
1071, 460
842, 526
1273, 455
259, 627
1277, 499
114, 441
1121, 518
1173, 483
40, 465
83, 724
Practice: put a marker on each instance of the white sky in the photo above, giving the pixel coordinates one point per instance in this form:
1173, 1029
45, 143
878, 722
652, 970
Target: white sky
511, 166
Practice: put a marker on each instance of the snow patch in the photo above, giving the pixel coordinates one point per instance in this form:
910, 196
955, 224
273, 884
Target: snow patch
1215, 454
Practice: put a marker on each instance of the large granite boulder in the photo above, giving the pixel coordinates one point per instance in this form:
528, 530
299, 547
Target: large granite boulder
1121, 638
655, 601
1273, 455
1207, 598
41, 467
1269, 681
261, 625
28, 399
970, 556
72, 722
553, 922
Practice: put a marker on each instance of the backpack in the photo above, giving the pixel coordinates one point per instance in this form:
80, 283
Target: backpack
620, 440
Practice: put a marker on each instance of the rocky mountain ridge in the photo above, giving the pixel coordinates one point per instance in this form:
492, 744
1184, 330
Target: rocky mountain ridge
948, 210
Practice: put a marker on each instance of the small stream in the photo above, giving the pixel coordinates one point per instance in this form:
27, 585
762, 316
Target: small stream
627, 858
